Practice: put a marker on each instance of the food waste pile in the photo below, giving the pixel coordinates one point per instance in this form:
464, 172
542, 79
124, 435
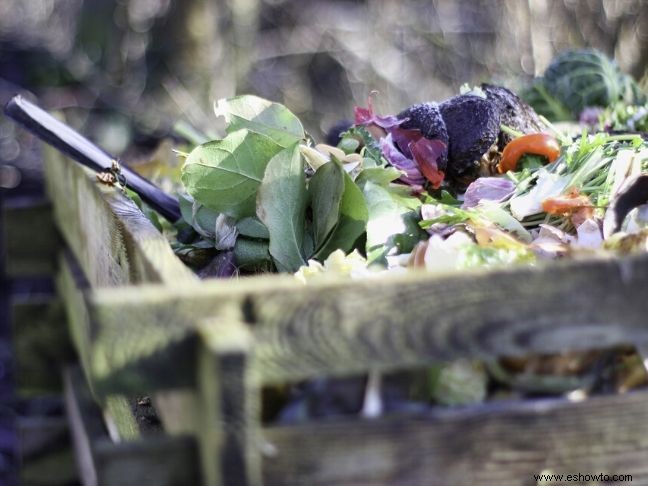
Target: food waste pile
486, 178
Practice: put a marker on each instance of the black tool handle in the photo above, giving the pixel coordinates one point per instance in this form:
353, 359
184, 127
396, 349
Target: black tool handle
76, 146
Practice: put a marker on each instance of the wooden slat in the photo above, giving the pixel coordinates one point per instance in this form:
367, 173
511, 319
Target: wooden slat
229, 399
31, 240
498, 444
162, 461
344, 327
113, 241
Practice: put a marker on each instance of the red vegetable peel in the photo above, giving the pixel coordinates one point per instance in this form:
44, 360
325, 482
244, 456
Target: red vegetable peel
533, 143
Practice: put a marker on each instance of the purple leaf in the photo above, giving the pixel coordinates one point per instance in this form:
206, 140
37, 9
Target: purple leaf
489, 189
412, 175
367, 116
428, 155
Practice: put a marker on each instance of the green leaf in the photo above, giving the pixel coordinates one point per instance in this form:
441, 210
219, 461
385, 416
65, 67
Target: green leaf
252, 228
261, 116
388, 206
378, 175
224, 175
325, 190
371, 148
281, 206
202, 219
250, 253
352, 221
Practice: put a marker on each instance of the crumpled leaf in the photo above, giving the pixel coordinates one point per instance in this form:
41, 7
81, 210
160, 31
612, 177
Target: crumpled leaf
589, 234
224, 175
548, 185
367, 116
492, 212
281, 206
225, 232
411, 173
201, 218
261, 116
495, 189
428, 155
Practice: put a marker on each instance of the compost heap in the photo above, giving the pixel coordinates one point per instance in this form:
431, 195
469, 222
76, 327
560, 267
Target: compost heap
478, 180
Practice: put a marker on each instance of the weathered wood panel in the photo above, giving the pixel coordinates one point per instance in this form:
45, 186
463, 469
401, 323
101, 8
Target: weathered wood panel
344, 327
159, 461
112, 240
494, 444
110, 237
31, 240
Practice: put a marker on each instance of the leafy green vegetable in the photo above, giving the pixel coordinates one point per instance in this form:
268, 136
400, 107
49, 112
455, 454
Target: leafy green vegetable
387, 206
261, 116
352, 221
202, 219
281, 206
250, 253
325, 189
576, 79
253, 228
371, 149
224, 175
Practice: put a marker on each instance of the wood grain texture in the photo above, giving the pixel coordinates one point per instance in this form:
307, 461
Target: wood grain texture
343, 327
113, 241
31, 239
229, 405
494, 444
163, 461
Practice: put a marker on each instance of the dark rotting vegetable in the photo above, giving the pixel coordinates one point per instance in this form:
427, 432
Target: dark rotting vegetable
473, 124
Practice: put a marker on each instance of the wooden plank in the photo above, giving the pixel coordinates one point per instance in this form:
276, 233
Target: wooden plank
493, 444
31, 240
229, 405
113, 241
115, 244
41, 344
346, 327
163, 461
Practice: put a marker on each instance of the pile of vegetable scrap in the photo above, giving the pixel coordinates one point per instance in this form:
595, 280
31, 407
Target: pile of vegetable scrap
479, 179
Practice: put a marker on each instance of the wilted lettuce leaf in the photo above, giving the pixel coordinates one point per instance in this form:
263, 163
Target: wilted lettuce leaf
224, 175
281, 206
352, 221
261, 116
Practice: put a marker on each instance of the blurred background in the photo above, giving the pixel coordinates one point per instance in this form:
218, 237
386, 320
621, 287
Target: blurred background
144, 64
128, 71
